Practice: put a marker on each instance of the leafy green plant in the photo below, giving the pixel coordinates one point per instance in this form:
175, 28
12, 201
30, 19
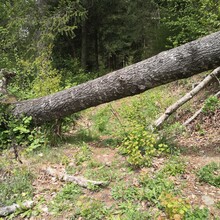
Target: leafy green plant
174, 166
153, 187
65, 199
37, 139
125, 192
175, 207
90, 209
19, 131
211, 104
150, 189
141, 146
210, 174
196, 214
128, 210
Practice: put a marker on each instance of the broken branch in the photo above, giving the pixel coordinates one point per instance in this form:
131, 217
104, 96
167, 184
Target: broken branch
7, 210
186, 97
188, 121
79, 180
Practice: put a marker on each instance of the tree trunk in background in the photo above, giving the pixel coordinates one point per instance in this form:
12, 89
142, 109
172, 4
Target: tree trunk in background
96, 50
178, 63
84, 45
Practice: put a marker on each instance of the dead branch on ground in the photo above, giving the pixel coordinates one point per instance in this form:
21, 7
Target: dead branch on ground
7, 210
188, 121
171, 109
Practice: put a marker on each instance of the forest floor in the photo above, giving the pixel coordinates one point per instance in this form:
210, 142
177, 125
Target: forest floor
168, 189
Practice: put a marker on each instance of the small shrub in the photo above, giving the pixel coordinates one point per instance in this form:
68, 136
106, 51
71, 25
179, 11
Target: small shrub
197, 214
210, 174
211, 104
141, 146
152, 188
175, 208
20, 132
174, 167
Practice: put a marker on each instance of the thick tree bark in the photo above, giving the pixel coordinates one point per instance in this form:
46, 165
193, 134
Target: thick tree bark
178, 63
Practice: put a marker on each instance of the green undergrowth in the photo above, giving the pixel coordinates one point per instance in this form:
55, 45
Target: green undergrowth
15, 183
118, 118
141, 147
210, 174
174, 166
114, 143
65, 199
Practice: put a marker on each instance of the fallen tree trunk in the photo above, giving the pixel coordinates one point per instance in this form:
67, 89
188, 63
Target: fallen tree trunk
7, 210
188, 121
186, 97
79, 180
178, 63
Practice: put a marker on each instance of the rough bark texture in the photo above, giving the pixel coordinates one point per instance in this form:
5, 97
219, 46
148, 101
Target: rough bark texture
178, 63
186, 97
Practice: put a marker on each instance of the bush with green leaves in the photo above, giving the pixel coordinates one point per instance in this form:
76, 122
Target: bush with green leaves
140, 146
19, 132
174, 207
174, 166
211, 104
210, 174
153, 187
197, 214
